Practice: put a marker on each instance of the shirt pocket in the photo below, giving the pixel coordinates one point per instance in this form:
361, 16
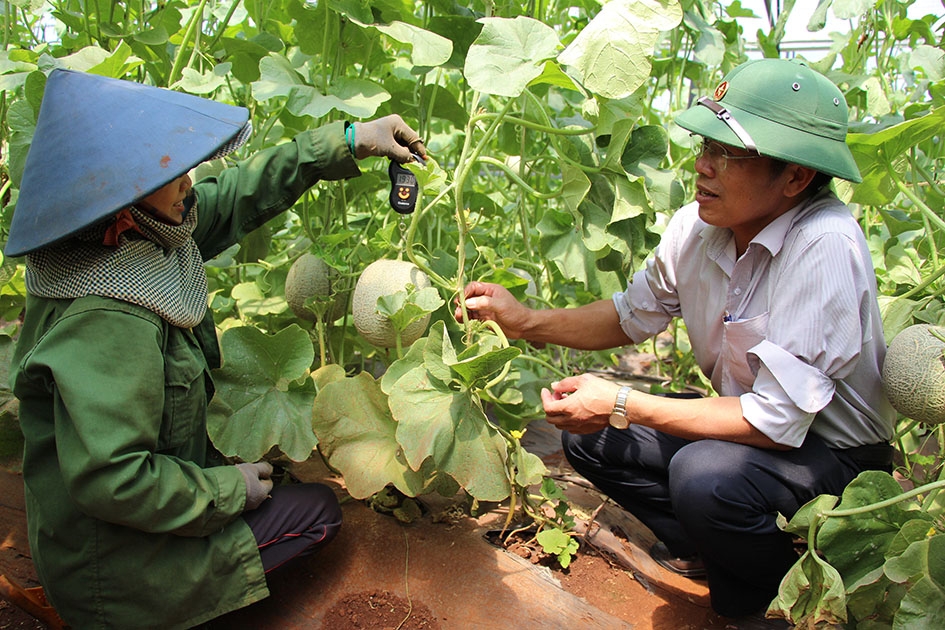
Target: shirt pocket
185, 399
739, 369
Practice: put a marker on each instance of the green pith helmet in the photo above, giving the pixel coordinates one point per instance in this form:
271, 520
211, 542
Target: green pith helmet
782, 109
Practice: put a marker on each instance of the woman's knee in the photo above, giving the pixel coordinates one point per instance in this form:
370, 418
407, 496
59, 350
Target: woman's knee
306, 506
329, 513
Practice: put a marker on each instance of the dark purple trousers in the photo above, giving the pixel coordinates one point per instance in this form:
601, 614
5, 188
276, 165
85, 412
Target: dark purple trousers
298, 520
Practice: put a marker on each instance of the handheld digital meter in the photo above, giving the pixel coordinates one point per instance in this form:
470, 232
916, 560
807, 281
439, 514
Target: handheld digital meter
404, 189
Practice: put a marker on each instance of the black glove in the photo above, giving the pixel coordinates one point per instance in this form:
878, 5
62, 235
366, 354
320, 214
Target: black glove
387, 137
258, 483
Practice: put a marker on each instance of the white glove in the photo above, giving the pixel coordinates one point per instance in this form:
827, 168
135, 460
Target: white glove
258, 483
389, 137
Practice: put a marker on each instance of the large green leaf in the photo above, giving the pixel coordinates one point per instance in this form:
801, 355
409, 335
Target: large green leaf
411, 360
440, 418
428, 49
263, 394
358, 97
474, 370
875, 597
434, 420
612, 54
848, 9
561, 244
574, 187
929, 59
813, 591
916, 558
630, 200
22, 123
444, 105
245, 56
857, 544
529, 469
357, 10
356, 435
461, 30
809, 514
403, 309
252, 300
923, 563
203, 83
710, 44
103, 62
880, 152
509, 54
438, 353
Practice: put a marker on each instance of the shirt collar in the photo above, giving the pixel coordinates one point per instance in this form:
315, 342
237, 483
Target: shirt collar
719, 240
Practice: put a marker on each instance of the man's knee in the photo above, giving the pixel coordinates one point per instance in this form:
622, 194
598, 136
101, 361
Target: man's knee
706, 480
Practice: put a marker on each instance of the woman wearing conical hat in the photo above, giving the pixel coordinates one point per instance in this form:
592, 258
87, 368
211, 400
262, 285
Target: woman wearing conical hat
133, 522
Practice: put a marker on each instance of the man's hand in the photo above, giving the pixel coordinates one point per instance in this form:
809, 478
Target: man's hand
388, 137
258, 483
493, 302
580, 404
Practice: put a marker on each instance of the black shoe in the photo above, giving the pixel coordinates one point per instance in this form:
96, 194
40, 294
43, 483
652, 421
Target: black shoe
690, 567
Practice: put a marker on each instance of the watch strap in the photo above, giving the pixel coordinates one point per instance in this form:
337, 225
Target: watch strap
618, 417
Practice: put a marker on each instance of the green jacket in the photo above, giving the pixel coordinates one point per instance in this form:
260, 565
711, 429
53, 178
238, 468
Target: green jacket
131, 524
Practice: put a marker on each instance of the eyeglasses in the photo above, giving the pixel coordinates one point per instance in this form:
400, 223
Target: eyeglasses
720, 155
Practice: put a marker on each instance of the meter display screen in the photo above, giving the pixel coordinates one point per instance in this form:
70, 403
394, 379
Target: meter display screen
404, 187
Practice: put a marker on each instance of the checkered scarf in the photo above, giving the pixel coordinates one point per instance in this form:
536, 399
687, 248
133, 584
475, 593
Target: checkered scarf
157, 266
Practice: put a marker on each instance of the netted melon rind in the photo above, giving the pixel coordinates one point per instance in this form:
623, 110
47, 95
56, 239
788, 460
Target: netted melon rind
914, 373
386, 277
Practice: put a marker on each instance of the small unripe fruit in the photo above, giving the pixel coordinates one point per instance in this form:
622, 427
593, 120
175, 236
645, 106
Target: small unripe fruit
311, 277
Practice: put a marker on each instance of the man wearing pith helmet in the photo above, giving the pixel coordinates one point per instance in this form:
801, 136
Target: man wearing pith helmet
772, 276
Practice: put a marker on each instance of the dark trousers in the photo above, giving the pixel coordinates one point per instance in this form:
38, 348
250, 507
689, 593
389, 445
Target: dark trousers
298, 520
718, 499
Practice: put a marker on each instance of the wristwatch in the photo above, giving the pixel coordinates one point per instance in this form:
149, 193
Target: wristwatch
618, 417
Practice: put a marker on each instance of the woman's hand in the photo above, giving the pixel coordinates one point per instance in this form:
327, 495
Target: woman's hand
258, 482
388, 137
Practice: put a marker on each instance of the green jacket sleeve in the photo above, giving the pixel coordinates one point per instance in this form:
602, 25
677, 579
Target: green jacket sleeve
107, 371
245, 196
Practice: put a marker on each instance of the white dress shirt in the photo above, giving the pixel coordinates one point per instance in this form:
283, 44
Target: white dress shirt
792, 326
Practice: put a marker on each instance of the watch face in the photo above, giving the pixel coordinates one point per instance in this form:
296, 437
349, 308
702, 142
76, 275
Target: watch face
619, 421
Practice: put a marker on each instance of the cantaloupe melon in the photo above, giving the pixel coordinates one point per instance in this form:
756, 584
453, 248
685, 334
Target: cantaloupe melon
914, 373
380, 278
310, 277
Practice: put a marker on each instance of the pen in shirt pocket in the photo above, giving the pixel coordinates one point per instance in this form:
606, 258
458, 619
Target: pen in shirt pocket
727, 317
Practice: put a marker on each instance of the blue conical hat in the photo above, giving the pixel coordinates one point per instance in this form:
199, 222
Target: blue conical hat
101, 144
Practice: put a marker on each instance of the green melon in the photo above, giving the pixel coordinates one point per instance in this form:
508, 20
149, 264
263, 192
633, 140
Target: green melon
380, 278
914, 373
310, 277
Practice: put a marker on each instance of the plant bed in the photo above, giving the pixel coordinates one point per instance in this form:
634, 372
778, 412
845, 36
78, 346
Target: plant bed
521, 542
378, 609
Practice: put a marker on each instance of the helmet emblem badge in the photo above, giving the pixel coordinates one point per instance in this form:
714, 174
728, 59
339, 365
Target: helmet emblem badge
720, 91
